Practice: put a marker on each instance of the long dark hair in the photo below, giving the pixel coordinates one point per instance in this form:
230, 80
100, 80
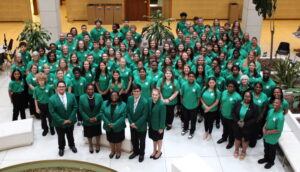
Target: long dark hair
119, 81
197, 72
164, 80
207, 86
273, 97
251, 104
83, 69
98, 71
13, 73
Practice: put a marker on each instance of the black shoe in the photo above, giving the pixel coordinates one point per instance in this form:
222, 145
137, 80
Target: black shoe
91, 150
73, 149
229, 146
152, 156
133, 155
52, 131
45, 132
141, 158
262, 161
155, 158
118, 156
221, 141
79, 123
200, 120
61, 152
168, 128
269, 165
37, 116
218, 126
111, 155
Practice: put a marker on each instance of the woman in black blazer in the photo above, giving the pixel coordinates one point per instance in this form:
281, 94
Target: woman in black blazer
244, 116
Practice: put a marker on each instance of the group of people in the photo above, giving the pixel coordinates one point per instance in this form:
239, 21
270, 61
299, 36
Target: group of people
209, 73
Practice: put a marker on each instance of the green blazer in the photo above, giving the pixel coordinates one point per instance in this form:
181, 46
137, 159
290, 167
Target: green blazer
87, 113
157, 115
140, 116
117, 119
59, 113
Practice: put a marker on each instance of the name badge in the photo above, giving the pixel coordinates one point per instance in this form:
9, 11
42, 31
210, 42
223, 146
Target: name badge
171, 86
146, 83
219, 83
274, 119
212, 94
46, 91
126, 73
194, 90
267, 87
90, 74
231, 99
259, 101
34, 79
156, 76
81, 84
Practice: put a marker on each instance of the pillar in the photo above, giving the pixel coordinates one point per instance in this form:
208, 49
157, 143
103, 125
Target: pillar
50, 17
251, 22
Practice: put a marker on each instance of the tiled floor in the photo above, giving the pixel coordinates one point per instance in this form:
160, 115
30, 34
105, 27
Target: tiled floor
175, 147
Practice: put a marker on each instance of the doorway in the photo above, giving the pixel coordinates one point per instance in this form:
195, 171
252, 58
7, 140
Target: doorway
136, 9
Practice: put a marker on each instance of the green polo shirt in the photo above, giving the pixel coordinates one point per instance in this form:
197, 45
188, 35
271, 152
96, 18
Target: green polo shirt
26, 57
145, 85
190, 95
42, 95
16, 86
284, 105
117, 87
31, 80
125, 75
89, 76
275, 121
243, 111
260, 101
96, 33
168, 90
97, 56
227, 102
209, 98
59, 44
21, 68
82, 55
78, 86
268, 87
72, 46
103, 82
236, 78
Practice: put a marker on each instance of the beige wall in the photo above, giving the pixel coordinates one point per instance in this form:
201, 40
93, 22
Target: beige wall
15, 10
209, 9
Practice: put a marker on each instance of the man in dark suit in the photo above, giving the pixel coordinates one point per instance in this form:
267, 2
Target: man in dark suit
137, 111
63, 108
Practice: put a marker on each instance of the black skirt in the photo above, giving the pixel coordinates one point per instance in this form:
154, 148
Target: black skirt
92, 131
242, 133
113, 137
155, 135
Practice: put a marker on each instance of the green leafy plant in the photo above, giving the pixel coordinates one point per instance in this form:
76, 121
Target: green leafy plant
287, 72
158, 30
34, 35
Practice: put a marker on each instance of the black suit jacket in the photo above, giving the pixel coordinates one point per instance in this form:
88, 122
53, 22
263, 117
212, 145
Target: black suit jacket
250, 118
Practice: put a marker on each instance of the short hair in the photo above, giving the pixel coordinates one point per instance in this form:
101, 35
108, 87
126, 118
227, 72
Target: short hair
183, 14
41, 76
232, 82
13, 73
83, 25
98, 20
245, 77
76, 69
191, 73
22, 44
136, 86
61, 82
196, 18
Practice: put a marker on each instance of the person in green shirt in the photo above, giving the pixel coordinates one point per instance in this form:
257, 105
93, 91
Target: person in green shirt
71, 43
17, 95
113, 113
26, 57
181, 24
50, 76
154, 73
145, 82
125, 27
78, 88
63, 107
97, 31
81, 51
116, 33
137, 113
102, 80
117, 84
235, 74
157, 122
169, 88
62, 40
254, 46
278, 94
210, 98
84, 31
228, 99
89, 107
268, 83
272, 132
18, 64
41, 94
126, 76
31, 82
190, 98
261, 100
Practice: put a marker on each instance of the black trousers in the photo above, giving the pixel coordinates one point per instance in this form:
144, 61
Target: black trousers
218, 117
32, 105
189, 115
79, 117
254, 136
44, 116
18, 105
138, 141
170, 114
270, 152
61, 132
227, 130
209, 119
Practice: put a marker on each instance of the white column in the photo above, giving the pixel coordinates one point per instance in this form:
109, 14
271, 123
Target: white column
251, 22
50, 17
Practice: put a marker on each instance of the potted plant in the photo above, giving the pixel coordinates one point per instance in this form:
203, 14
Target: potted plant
34, 35
158, 30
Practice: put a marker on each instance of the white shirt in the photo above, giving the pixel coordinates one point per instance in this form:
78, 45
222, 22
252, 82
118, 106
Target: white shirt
135, 103
63, 99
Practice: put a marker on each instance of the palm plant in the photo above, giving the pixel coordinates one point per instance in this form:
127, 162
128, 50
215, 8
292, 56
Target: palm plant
287, 72
158, 30
34, 35
267, 8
